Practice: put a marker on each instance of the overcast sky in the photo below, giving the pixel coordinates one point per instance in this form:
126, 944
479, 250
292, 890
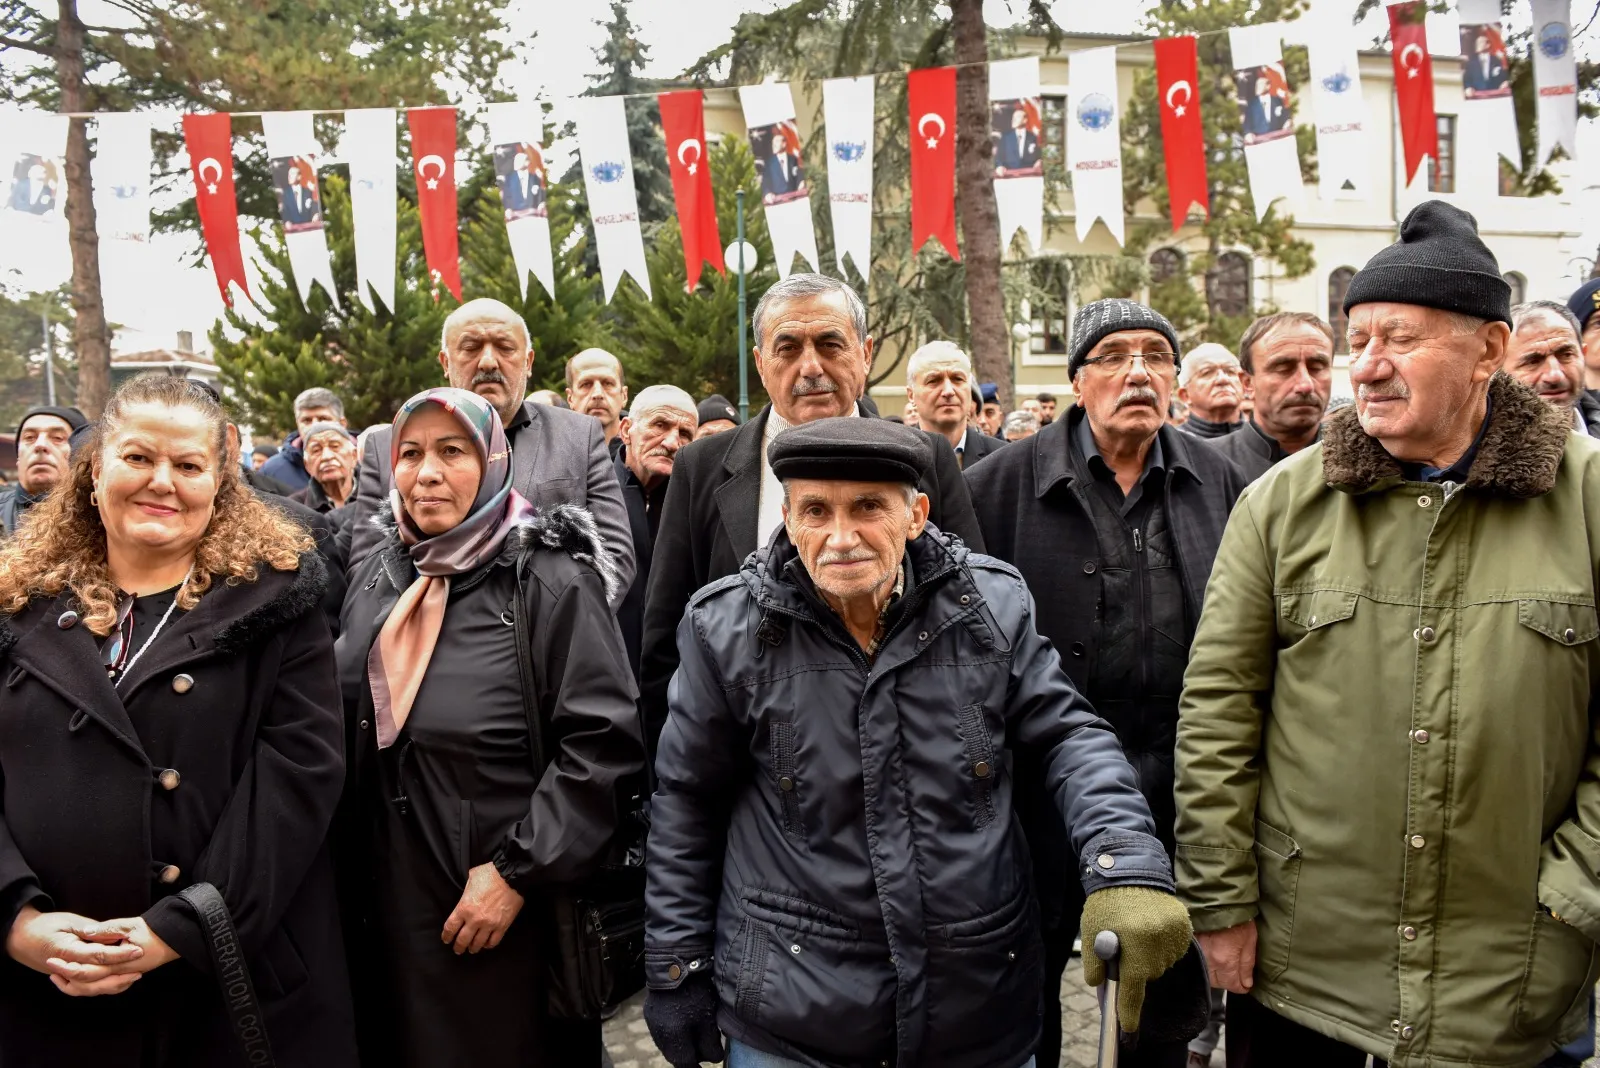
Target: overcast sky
554, 55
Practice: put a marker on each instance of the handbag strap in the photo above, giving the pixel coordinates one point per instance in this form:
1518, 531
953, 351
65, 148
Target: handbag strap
233, 974
527, 671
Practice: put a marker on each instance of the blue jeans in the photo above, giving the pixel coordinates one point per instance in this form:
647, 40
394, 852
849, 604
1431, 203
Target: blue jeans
742, 1056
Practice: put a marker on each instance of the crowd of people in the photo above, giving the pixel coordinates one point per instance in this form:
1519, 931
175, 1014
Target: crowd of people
305, 752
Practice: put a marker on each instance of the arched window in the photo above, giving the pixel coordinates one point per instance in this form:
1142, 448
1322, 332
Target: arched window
1519, 286
1165, 265
1228, 285
1338, 289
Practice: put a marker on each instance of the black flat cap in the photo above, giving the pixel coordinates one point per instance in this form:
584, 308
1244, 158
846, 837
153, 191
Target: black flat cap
846, 449
716, 407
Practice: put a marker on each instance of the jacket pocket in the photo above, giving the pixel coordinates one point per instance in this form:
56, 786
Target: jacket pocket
1556, 983
1278, 868
1314, 609
785, 778
280, 967
1568, 624
985, 974
977, 747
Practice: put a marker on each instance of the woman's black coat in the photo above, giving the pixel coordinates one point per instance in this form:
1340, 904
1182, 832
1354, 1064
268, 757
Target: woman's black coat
463, 764
238, 697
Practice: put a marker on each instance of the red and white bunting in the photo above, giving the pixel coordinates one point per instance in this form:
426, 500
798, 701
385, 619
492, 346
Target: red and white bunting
209, 140
292, 152
1094, 146
785, 192
433, 158
613, 202
1487, 112
1344, 164
1016, 126
683, 122
848, 115
516, 138
1413, 84
931, 94
1266, 116
1182, 132
369, 146
1555, 77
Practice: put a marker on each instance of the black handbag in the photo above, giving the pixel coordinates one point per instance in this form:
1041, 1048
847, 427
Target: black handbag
596, 958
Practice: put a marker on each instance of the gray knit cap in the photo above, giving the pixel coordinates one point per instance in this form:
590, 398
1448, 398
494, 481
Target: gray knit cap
1110, 316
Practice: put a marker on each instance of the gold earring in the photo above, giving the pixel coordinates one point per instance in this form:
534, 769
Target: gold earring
94, 499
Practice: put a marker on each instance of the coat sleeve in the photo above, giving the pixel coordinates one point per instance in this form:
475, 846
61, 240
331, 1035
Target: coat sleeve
1569, 861
592, 741
1225, 693
604, 498
371, 489
696, 770
1085, 769
275, 821
952, 506
674, 577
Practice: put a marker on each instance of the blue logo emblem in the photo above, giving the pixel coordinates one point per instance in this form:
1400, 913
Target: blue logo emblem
1337, 82
1553, 40
849, 151
125, 192
608, 171
1096, 112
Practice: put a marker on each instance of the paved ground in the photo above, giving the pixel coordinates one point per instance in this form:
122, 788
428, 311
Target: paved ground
629, 1043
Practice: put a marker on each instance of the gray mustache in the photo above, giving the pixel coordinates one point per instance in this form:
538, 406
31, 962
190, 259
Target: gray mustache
806, 387
1138, 395
486, 377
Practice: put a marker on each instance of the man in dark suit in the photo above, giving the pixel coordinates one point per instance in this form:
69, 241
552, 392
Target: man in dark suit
522, 191
813, 354
781, 173
34, 193
557, 456
663, 420
1019, 147
1485, 70
1266, 113
300, 204
939, 384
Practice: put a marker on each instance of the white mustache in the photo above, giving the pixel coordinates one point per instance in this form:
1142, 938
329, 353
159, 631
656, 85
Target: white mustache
843, 558
1393, 388
1136, 395
806, 387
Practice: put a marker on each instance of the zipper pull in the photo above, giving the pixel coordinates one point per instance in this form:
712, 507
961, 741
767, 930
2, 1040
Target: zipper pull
1138, 541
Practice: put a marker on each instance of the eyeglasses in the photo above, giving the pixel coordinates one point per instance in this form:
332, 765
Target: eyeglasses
1116, 362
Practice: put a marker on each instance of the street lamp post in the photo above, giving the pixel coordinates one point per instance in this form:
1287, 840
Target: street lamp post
739, 258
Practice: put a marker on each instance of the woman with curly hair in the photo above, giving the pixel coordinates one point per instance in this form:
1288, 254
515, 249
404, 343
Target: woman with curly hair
170, 759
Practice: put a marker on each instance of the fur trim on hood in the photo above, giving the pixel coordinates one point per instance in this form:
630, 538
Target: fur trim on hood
564, 528
1518, 458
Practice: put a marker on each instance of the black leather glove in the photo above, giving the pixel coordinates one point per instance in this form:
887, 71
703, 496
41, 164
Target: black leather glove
683, 1023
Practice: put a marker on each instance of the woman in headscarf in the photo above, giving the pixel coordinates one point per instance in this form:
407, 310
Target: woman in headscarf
454, 833
170, 761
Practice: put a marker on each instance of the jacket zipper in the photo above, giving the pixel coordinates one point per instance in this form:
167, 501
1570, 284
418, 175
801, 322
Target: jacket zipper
1141, 596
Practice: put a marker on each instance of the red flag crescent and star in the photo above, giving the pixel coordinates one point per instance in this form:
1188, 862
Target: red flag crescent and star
683, 121
932, 96
433, 156
209, 140
1182, 133
1413, 82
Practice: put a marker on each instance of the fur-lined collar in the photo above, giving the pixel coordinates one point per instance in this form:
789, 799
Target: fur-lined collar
565, 528
1518, 458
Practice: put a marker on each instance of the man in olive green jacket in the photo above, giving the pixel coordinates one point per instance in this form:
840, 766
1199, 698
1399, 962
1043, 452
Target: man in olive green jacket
1388, 777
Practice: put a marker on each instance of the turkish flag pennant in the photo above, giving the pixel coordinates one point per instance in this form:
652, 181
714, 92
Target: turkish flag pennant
932, 95
1413, 80
433, 155
209, 139
1182, 133
683, 121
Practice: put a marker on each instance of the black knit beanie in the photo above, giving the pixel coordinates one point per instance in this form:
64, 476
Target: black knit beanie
1110, 316
1439, 262
71, 416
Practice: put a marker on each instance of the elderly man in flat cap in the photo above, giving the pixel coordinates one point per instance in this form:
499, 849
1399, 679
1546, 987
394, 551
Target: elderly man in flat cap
1113, 518
836, 877
1388, 777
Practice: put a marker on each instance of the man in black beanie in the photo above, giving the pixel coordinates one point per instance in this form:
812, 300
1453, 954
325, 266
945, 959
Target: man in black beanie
44, 443
717, 416
1113, 518
1388, 811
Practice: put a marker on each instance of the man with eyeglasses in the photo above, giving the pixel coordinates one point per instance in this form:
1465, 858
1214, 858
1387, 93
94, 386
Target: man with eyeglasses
1211, 383
1546, 355
1113, 518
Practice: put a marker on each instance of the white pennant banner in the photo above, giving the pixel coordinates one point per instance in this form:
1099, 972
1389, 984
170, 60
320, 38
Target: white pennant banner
1344, 164
847, 109
121, 171
33, 198
1555, 78
292, 152
1487, 112
1094, 149
1017, 130
785, 193
516, 132
608, 177
1266, 114
370, 143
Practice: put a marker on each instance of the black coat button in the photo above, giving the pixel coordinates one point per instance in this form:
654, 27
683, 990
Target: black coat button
67, 620
169, 874
981, 769
1088, 567
1077, 648
364, 724
182, 683
169, 779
